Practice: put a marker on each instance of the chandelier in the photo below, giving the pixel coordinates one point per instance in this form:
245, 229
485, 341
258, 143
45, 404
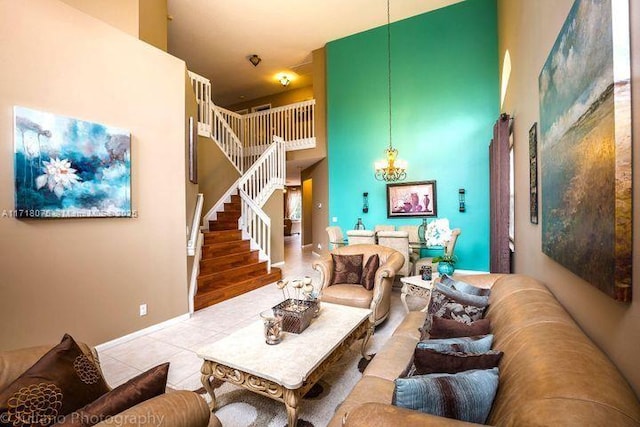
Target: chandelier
391, 168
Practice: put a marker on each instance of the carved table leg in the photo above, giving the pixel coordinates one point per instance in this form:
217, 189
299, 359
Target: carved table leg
365, 340
207, 382
403, 297
291, 401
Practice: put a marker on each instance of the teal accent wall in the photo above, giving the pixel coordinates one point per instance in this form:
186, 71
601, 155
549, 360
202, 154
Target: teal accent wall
445, 100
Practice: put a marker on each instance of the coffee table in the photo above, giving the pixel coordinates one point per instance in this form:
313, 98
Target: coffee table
286, 371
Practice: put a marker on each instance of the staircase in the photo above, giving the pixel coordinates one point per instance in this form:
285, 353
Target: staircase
236, 254
229, 267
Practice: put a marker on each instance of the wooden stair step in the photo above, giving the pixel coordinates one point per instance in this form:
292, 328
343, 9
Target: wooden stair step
224, 277
223, 225
235, 198
221, 236
206, 298
226, 262
232, 207
225, 248
228, 216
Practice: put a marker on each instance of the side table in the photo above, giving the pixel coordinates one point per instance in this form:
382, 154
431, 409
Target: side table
415, 286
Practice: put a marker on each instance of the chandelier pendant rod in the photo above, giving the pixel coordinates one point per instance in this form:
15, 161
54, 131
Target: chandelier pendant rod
389, 68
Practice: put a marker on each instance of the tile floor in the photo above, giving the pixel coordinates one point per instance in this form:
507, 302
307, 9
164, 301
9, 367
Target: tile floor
178, 343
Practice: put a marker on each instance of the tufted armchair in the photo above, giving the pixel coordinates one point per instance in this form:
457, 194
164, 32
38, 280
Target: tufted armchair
378, 299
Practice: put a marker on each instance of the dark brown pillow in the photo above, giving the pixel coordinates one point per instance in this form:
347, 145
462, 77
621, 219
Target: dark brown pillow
446, 328
369, 272
138, 389
347, 269
428, 361
63, 380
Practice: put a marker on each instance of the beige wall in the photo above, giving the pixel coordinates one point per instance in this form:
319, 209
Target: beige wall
216, 173
528, 30
307, 212
89, 276
274, 208
191, 189
152, 25
319, 174
122, 14
276, 100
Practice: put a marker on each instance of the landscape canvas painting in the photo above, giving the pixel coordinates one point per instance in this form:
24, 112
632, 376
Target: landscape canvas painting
68, 168
585, 135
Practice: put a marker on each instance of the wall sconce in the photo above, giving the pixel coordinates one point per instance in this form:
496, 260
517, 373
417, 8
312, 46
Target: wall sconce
284, 80
255, 60
461, 202
365, 202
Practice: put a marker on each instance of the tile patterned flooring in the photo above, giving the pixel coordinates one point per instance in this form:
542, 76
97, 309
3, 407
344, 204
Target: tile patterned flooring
178, 343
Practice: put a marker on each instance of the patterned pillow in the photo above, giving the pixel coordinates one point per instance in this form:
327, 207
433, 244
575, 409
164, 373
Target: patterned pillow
464, 287
347, 269
368, 279
138, 389
477, 344
63, 380
428, 361
466, 396
461, 297
443, 306
447, 328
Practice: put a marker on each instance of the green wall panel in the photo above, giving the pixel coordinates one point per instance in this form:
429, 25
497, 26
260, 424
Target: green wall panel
445, 98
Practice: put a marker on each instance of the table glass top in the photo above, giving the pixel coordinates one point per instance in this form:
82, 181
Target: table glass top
290, 362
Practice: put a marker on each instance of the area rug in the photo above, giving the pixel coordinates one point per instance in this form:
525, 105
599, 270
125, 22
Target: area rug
238, 407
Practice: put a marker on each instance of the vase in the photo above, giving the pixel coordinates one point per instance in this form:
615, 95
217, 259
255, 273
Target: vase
359, 225
422, 229
445, 268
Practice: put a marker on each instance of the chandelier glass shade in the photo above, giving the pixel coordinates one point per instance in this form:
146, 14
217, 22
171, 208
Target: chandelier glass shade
391, 168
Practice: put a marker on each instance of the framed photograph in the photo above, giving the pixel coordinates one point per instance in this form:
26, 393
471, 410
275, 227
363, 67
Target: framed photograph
193, 151
412, 199
533, 174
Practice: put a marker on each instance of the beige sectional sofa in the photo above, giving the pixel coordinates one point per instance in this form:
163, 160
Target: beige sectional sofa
551, 373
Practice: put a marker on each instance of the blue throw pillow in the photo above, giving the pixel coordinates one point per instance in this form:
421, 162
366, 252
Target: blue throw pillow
477, 344
465, 396
464, 287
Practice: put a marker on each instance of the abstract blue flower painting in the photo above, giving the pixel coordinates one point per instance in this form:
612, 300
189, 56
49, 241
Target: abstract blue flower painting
69, 168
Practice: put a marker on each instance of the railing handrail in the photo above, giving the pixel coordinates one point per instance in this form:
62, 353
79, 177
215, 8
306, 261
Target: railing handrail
254, 207
231, 113
257, 164
195, 226
293, 106
236, 160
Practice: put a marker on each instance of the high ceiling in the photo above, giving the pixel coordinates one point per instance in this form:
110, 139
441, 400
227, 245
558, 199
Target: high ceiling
216, 37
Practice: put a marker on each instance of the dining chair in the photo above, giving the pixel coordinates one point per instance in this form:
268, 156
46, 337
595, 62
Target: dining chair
414, 255
336, 239
398, 240
449, 247
359, 237
384, 227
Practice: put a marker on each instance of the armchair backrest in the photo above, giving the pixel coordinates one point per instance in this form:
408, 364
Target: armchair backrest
451, 244
384, 227
398, 240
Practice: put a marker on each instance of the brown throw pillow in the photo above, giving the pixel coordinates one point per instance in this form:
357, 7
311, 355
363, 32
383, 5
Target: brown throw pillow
63, 380
446, 328
138, 389
369, 272
347, 269
428, 361
443, 305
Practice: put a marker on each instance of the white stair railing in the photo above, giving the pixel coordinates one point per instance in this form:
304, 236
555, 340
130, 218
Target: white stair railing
256, 186
226, 138
202, 89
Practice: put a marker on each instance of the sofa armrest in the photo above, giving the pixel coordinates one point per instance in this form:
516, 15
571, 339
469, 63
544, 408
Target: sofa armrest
384, 415
325, 267
480, 280
176, 409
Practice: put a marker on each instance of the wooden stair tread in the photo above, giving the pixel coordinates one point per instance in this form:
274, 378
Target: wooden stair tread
223, 277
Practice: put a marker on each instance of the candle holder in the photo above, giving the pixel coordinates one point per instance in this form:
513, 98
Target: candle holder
272, 326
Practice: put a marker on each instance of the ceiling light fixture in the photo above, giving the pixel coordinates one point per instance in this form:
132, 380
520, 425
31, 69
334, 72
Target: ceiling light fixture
391, 168
255, 60
284, 80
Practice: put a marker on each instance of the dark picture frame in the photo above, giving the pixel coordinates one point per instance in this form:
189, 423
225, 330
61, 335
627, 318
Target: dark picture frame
412, 199
193, 151
533, 173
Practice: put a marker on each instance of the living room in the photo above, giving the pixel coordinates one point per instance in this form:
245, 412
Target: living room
88, 277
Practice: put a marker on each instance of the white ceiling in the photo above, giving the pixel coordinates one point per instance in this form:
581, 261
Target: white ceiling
215, 37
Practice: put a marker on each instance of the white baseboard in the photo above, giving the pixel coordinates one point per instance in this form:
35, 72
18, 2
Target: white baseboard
109, 344
306, 246
277, 264
315, 253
